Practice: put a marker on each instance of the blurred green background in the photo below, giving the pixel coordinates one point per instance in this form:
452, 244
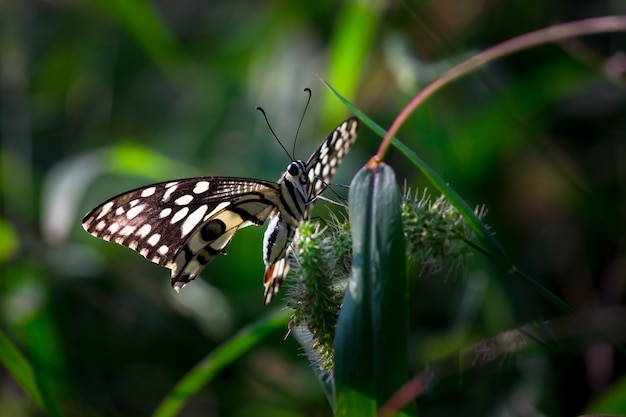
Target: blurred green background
102, 96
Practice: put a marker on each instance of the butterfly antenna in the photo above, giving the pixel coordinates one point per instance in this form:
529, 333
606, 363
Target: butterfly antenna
306, 90
273, 133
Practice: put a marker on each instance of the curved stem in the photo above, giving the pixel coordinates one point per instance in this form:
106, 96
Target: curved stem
519, 43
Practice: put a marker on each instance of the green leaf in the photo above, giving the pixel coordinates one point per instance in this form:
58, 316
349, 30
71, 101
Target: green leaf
354, 356
371, 357
350, 45
22, 371
612, 400
9, 241
147, 27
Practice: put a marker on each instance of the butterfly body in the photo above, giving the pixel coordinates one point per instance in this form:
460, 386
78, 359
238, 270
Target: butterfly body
184, 224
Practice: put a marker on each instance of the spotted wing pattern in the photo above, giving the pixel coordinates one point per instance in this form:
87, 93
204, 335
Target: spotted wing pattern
326, 158
183, 224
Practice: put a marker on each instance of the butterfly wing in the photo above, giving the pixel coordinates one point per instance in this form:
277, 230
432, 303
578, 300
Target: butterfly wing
183, 224
324, 161
275, 275
319, 169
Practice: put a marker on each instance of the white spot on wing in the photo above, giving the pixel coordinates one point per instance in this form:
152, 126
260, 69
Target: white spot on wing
193, 219
154, 239
144, 252
127, 230
165, 212
105, 209
133, 244
183, 200
100, 226
162, 250
113, 227
201, 187
132, 213
120, 211
171, 187
87, 222
148, 192
144, 230
180, 214
326, 172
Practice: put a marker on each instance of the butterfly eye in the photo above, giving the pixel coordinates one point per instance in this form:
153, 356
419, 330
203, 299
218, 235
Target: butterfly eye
293, 169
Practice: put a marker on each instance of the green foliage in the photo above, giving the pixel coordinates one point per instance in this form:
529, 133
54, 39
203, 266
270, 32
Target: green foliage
19, 367
320, 275
216, 361
8, 241
100, 97
436, 234
373, 323
437, 241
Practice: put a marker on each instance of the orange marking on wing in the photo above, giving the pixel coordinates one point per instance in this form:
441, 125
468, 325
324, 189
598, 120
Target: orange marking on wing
268, 275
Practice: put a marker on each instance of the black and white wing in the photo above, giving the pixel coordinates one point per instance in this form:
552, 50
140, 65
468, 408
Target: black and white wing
183, 224
319, 169
326, 158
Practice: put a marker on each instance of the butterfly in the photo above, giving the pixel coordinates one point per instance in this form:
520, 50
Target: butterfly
184, 224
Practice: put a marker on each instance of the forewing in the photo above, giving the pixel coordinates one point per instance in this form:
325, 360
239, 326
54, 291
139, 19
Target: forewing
183, 224
324, 161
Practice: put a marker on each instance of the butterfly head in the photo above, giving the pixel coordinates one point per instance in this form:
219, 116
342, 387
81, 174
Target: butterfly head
296, 172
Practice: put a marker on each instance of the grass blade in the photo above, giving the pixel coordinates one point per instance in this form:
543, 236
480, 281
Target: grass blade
217, 360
